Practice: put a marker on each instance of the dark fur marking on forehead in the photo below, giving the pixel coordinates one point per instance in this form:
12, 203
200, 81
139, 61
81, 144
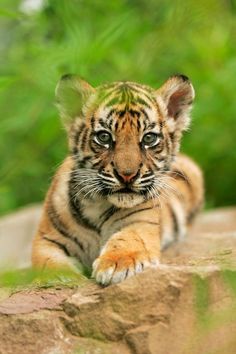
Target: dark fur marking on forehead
151, 125
138, 125
110, 113
148, 94
134, 113
144, 113
131, 112
113, 101
110, 123
120, 93
104, 94
125, 94
116, 126
158, 110
141, 101
123, 124
122, 113
102, 123
140, 86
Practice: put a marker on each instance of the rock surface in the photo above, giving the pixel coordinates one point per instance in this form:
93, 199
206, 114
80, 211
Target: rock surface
187, 306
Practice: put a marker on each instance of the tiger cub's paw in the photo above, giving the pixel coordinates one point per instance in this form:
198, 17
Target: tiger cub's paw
113, 267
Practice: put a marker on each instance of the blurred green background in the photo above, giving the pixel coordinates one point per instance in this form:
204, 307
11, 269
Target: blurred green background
144, 41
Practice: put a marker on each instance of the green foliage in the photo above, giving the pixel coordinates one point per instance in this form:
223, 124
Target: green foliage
145, 41
32, 278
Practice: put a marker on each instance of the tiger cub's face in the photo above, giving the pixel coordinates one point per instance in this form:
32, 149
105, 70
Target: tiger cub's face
123, 136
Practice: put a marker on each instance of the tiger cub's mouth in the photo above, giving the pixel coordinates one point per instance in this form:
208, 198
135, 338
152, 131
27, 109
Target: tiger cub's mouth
125, 198
125, 190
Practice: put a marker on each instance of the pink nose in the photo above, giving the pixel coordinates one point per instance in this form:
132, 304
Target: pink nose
126, 176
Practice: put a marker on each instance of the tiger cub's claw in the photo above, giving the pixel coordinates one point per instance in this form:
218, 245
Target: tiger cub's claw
114, 267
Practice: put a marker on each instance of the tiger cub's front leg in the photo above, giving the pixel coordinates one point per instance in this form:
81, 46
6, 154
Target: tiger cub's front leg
128, 252
124, 140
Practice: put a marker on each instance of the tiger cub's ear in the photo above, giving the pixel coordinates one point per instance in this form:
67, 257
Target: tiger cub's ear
177, 94
71, 96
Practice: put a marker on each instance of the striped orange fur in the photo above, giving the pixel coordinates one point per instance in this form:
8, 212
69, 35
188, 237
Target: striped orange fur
124, 192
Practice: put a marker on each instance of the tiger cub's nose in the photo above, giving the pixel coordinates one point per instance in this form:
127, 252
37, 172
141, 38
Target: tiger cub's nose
126, 176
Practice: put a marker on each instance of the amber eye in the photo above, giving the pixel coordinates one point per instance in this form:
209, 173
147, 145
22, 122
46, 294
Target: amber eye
150, 139
103, 137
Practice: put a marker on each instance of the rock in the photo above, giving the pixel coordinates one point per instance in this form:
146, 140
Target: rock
187, 306
16, 234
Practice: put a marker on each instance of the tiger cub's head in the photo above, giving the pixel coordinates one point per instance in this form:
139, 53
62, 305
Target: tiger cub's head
123, 136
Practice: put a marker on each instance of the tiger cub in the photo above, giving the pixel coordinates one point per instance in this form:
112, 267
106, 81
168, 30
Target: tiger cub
124, 192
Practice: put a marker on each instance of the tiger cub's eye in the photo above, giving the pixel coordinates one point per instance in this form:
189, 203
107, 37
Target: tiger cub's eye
150, 139
103, 137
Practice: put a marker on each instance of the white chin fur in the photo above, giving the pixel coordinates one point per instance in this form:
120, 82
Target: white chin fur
124, 200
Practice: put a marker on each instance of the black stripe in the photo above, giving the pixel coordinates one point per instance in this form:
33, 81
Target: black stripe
78, 216
76, 138
134, 113
121, 114
92, 121
168, 144
105, 174
151, 126
113, 101
102, 123
96, 148
142, 102
147, 96
60, 227
172, 137
98, 163
82, 163
84, 139
107, 215
159, 159
60, 245
106, 91
157, 148
138, 125
158, 109
174, 221
141, 89
75, 207
124, 123
110, 123
141, 221
144, 113
148, 174
131, 213
110, 113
